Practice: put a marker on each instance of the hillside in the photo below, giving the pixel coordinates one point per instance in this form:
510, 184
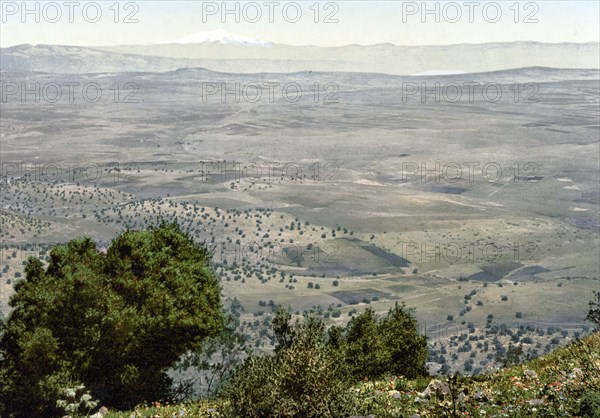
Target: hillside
565, 383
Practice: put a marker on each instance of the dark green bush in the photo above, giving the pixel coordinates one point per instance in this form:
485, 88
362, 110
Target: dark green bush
113, 322
373, 347
590, 405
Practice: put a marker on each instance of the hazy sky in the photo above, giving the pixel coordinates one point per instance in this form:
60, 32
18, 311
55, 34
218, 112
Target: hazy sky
358, 22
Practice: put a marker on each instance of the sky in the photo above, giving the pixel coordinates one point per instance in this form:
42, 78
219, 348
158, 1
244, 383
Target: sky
323, 23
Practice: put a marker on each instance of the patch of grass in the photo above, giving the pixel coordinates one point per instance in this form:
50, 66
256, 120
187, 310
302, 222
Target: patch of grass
350, 296
204, 408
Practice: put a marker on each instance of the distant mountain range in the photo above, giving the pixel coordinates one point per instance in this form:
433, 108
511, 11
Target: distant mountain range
216, 52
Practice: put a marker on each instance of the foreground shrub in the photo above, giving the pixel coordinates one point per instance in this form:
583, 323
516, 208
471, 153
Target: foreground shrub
373, 347
312, 370
113, 322
304, 379
590, 405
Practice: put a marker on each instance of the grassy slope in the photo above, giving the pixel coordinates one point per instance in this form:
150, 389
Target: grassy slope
555, 389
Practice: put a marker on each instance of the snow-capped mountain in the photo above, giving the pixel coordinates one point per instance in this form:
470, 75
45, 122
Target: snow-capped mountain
220, 36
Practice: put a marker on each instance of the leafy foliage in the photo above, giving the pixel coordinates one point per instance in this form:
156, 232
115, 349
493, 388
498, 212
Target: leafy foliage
304, 379
373, 347
312, 370
113, 321
590, 405
77, 401
209, 368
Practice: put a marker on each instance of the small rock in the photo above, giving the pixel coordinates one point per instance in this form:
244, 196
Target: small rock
394, 393
536, 402
576, 372
480, 396
436, 386
531, 374
103, 411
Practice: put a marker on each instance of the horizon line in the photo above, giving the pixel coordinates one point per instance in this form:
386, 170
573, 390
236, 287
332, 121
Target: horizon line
301, 46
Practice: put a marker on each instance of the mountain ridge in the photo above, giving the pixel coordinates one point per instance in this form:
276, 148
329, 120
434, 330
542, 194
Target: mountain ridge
278, 58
